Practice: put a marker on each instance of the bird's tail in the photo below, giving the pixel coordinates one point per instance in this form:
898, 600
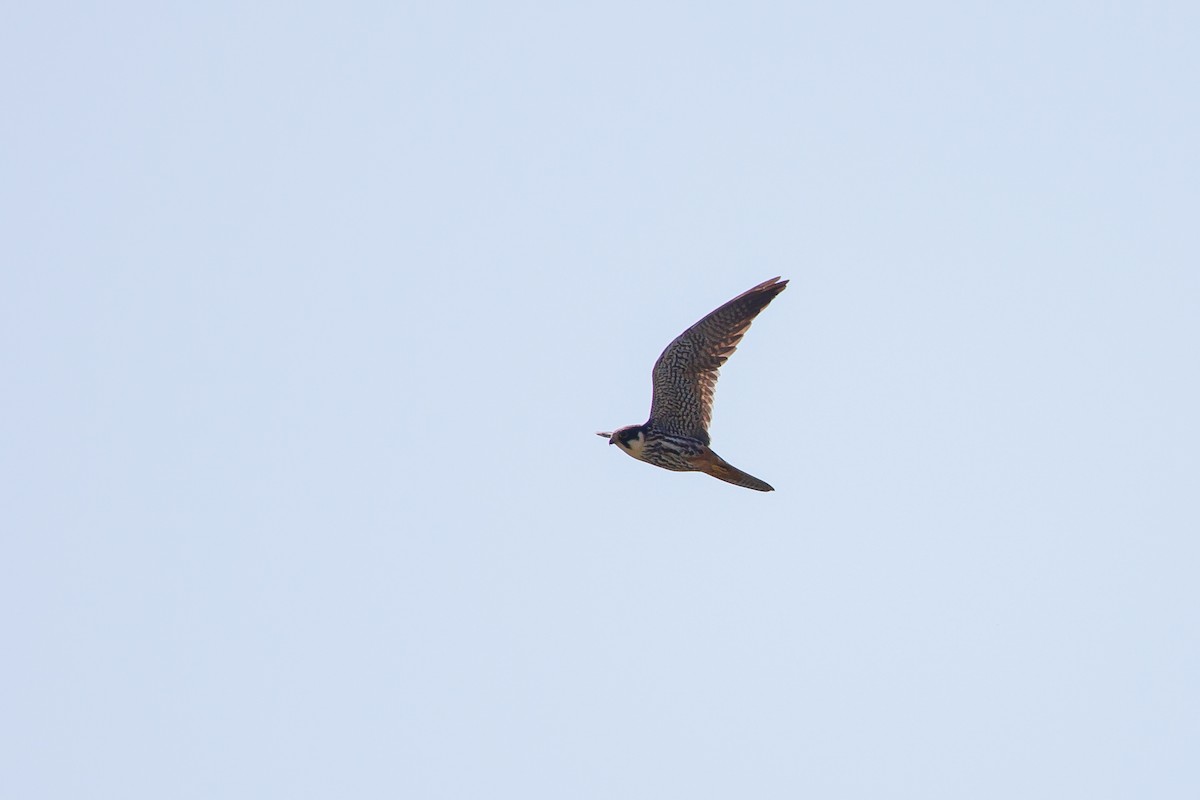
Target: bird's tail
720, 468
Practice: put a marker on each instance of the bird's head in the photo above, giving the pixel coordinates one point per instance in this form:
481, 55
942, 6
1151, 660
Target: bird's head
630, 438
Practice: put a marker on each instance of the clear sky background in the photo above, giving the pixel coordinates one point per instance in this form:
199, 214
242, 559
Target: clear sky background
308, 314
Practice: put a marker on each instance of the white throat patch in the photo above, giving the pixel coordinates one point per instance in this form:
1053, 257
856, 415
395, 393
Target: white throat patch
634, 446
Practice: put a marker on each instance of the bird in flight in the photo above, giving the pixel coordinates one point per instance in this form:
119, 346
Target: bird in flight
685, 377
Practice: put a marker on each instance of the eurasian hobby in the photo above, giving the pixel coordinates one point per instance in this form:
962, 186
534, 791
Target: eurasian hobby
685, 376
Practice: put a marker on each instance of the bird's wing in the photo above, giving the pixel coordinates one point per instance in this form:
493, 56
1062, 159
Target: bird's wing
685, 375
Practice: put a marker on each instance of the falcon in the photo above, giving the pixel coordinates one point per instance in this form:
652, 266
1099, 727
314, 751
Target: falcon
685, 377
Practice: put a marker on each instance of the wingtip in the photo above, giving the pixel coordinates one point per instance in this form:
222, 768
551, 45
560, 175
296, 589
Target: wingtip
774, 286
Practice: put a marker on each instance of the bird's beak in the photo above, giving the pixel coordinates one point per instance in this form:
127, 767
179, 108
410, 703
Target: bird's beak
606, 436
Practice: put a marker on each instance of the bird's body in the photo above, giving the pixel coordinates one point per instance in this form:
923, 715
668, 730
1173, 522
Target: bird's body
685, 376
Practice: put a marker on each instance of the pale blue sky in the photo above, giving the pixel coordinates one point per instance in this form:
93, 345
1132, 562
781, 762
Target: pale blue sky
309, 313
